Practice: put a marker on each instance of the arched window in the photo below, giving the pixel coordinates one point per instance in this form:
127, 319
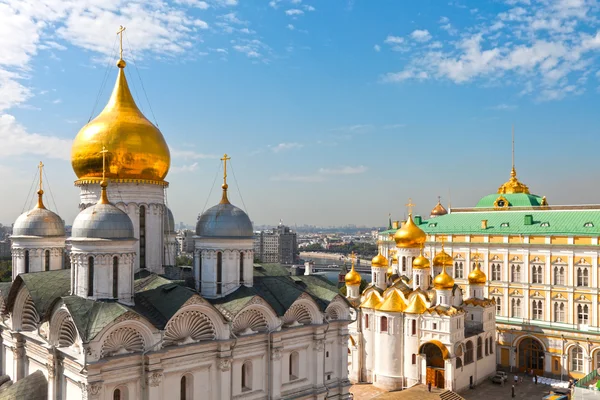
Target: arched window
417, 279
366, 321
241, 267
294, 366
491, 345
383, 324
559, 275
459, 363
142, 237
26, 261
120, 393
413, 326
247, 376
186, 387
536, 309
115, 287
458, 270
469, 353
515, 308
559, 312
582, 314
582, 276
487, 352
577, 359
515, 272
219, 272
117, 394
496, 272
47, 260
536, 274
403, 264
90, 276
479, 348
498, 305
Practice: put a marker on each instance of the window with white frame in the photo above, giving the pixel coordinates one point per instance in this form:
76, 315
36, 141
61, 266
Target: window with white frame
515, 273
559, 275
496, 272
559, 312
498, 301
458, 270
536, 274
583, 312
515, 308
582, 276
577, 359
536, 310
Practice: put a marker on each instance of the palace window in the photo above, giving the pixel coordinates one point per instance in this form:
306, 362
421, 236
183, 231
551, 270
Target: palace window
294, 366
47, 260
458, 270
247, 376
515, 273
515, 305
417, 279
469, 353
583, 314
577, 359
598, 360
492, 345
536, 310
559, 312
498, 301
90, 276
559, 275
479, 348
536, 274
582, 276
115, 287
496, 272
383, 324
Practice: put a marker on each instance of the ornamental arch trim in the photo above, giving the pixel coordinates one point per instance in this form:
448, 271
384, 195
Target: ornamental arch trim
63, 332
25, 316
129, 336
302, 312
519, 339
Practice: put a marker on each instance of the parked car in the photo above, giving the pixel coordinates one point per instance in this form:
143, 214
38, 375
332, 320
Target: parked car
498, 379
504, 374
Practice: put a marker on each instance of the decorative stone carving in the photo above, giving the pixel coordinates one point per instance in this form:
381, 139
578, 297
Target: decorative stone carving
224, 364
319, 345
155, 378
250, 321
18, 352
51, 369
122, 341
276, 354
343, 339
189, 327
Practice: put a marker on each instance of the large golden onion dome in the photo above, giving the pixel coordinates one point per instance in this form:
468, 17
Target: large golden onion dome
421, 262
442, 259
410, 235
352, 278
137, 150
477, 276
379, 261
443, 281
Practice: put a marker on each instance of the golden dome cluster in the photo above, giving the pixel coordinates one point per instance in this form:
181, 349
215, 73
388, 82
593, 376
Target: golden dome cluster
379, 261
137, 151
410, 235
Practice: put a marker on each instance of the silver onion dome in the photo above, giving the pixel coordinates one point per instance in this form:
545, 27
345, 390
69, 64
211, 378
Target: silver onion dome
224, 220
102, 221
169, 221
39, 222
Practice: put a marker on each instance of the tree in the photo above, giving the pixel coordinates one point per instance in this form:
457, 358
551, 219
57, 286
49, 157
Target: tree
5, 271
183, 260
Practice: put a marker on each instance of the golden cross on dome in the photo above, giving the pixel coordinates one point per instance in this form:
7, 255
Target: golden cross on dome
120, 33
443, 240
103, 184
352, 258
41, 168
40, 203
410, 206
476, 257
103, 152
225, 159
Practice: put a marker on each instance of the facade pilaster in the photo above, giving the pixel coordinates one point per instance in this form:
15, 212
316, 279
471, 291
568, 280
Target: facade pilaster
154, 384
276, 371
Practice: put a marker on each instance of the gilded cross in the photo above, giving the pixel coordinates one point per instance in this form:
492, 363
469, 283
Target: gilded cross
443, 240
103, 152
41, 167
352, 258
225, 159
120, 33
410, 206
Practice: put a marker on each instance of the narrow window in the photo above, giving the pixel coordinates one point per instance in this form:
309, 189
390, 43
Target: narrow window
200, 271
90, 276
26, 261
414, 359
247, 376
487, 352
479, 348
469, 353
241, 268
403, 264
142, 236
183, 388
417, 280
498, 305
384, 324
414, 326
117, 394
366, 321
115, 288
219, 271
47, 260
458, 270
294, 366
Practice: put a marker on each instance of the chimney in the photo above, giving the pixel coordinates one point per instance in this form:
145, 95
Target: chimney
418, 220
528, 219
484, 224
395, 225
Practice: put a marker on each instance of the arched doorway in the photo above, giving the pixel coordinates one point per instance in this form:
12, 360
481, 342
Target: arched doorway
530, 355
435, 354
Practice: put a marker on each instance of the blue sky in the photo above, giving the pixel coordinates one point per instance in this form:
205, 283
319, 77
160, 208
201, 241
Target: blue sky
334, 112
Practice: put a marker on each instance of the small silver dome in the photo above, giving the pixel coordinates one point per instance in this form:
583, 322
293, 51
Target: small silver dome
169, 221
102, 221
39, 222
224, 220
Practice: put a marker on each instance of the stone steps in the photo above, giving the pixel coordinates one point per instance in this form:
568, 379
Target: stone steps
450, 395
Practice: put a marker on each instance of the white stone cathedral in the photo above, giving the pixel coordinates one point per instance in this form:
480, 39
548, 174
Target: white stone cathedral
101, 322
414, 324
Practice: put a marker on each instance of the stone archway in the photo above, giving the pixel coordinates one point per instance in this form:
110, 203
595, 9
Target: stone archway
435, 354
531, 355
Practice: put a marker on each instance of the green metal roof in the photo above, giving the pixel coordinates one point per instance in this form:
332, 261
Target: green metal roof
31, 387
514, 200
91, 317
44, 288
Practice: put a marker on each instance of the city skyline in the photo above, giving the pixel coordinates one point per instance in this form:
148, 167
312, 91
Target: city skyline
296, 91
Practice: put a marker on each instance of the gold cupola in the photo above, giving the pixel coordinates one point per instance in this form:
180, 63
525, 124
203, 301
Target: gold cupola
513, 185
421, 262
443, 281
352, 277
410, 235
438, 210
477, 276
379, 261
138, 150
442, 259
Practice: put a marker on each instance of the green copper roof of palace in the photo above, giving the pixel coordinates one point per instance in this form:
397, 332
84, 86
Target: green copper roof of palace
514, 200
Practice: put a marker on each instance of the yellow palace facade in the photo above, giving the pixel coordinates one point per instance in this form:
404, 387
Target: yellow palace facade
541, 263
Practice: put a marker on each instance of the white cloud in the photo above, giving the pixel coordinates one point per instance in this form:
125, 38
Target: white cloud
377, 48
421, 35
232, 19
294, 11
444, 20
56, 101
394, 126
291, 27
16, 141
226, 3
183, 168
309, 8
393, 40
298, 178
345, 170
202, 5
285, 146
252, 48
503, 107
322, 174
296, 1
190, 155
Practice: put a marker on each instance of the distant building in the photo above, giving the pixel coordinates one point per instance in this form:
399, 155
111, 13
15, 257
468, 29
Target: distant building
276, 246
5, 249
185, 239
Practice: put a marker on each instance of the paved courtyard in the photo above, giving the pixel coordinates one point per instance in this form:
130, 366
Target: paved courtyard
527, 390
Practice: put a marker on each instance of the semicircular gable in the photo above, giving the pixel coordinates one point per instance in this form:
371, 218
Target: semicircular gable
337, 310
62, 329
257, 317
25, 316
122, 340
189, 326
303, 311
